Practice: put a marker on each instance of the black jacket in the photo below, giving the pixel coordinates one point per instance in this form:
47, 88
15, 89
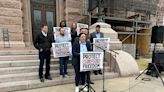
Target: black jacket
73, 36
76, 51
93, 35
42, 42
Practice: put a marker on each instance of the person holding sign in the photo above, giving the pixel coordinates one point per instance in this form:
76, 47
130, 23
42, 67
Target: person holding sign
97, 34
88, 73
43, 43
62, 37
80, 45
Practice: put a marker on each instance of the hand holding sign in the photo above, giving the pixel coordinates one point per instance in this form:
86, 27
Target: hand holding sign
62, 49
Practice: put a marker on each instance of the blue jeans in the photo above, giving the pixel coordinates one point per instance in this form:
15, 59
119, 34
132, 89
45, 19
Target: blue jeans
63, 65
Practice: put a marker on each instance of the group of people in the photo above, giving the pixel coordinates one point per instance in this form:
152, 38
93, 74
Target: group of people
80, 43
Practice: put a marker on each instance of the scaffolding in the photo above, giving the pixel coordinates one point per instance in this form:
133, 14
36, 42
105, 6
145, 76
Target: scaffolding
114, 8
134, 14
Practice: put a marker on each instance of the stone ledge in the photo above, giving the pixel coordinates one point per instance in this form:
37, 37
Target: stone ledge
13, 44
10, 20
30, 84
12, 28
70, 10
10, 12
74, 4
16, 4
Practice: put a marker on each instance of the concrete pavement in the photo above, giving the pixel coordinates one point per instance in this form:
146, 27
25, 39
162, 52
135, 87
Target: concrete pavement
126, 84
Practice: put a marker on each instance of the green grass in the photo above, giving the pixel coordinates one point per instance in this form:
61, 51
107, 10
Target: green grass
142, 63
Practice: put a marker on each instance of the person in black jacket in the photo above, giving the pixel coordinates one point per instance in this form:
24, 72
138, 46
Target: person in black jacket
80, 45
43, 43
73, 32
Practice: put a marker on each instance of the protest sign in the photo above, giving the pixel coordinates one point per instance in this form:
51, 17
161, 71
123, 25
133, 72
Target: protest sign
91, 61
62, 49
99, 43
79, 26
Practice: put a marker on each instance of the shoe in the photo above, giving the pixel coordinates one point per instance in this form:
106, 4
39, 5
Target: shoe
61, 77
85, 89
100, 72
66, 76
48, 77
95, 72
76, 89
41, 79
90, 82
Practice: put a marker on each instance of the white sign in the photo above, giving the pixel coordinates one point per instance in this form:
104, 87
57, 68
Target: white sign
101, 43
67, 32
62, 49
91, 61
79, 26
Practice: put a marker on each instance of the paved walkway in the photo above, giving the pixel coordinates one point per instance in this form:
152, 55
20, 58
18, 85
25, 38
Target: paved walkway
114, 85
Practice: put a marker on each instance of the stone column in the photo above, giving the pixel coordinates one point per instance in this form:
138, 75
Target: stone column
60, 7
11, 18
27, 26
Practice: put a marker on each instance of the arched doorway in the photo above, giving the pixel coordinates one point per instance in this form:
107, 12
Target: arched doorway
42, 12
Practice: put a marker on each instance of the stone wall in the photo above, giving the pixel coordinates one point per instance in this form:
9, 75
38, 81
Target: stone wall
11, 18
160, 12
73, 11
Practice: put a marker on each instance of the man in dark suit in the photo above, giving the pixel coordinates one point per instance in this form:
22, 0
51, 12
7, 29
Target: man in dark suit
80, 45
43, 43
96, 34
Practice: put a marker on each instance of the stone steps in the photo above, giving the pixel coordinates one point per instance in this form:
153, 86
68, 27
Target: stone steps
18, 52
20, 71
21, 57
31, 72
28, 76
30, 84
27, 69
33, 75
21, 63
18, 57
24, 63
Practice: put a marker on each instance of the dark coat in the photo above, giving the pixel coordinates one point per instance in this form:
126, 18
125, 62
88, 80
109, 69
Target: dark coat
73, 36
93, 35
42, 42
76, 51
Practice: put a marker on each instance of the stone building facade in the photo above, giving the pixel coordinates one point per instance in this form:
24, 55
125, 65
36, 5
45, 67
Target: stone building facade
160, 13
20, 17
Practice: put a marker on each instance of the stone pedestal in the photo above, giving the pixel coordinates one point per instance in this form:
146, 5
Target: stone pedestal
115, 43
123, 63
